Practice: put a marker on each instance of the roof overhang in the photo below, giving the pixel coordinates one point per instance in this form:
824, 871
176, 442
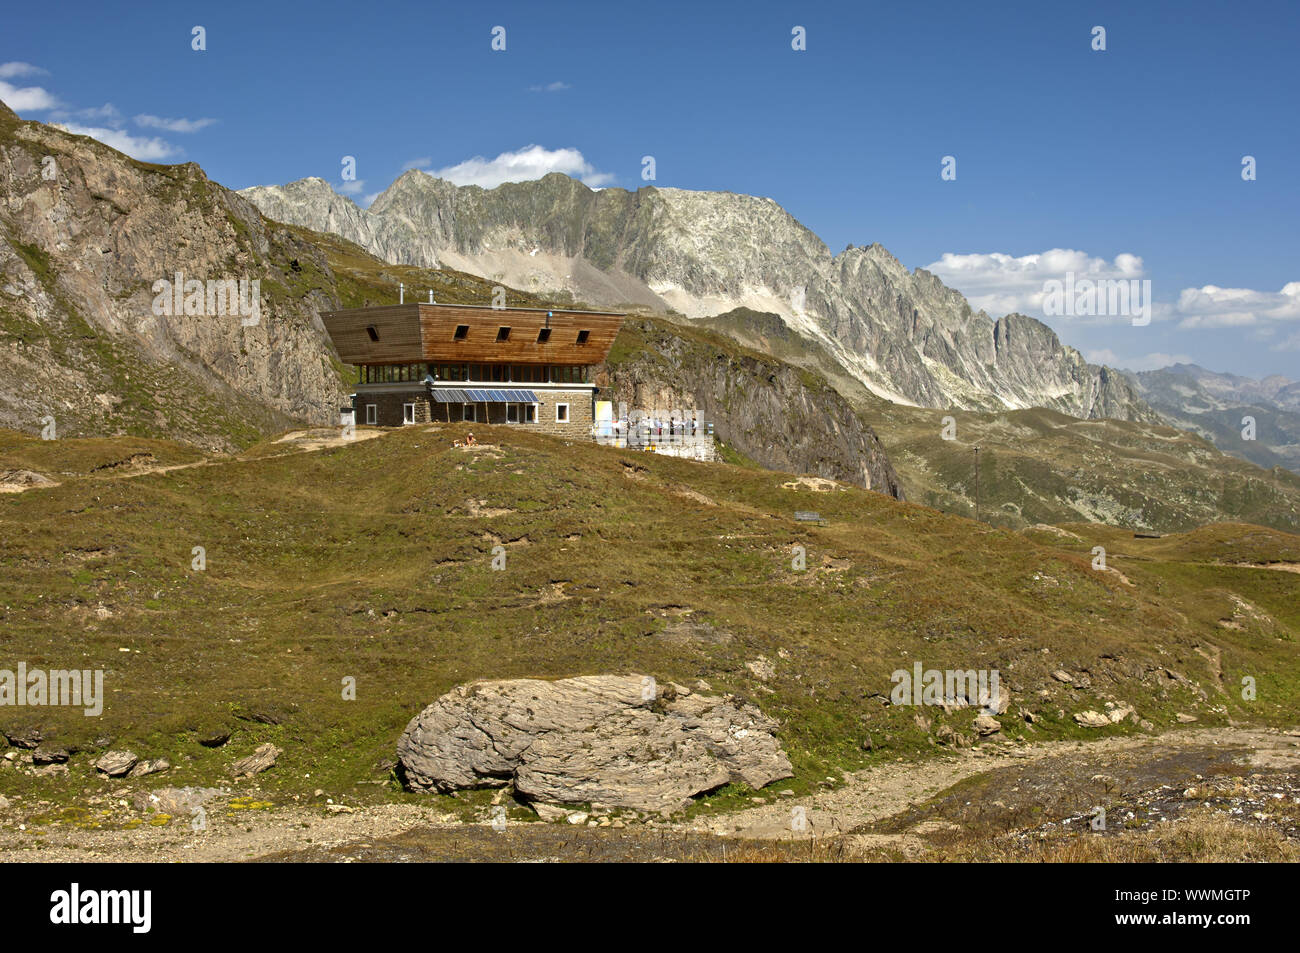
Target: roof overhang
415, 333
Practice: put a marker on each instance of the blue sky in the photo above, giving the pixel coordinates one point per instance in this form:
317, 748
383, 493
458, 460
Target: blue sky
1126, 161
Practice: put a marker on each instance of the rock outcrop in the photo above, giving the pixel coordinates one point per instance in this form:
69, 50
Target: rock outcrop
777, 415
85, 233
904, 335
614, 740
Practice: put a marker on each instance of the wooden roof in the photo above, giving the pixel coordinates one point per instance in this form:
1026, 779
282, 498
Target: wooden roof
415, 333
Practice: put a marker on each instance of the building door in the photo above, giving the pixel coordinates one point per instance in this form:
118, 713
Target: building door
469, 412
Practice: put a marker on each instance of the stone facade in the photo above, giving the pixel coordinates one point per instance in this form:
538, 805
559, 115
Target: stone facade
389, 411
389, 407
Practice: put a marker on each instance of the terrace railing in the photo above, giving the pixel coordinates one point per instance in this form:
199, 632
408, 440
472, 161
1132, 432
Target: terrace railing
637, 436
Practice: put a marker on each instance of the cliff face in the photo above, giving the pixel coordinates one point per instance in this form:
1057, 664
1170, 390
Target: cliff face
85, 233
903, 335
777, 415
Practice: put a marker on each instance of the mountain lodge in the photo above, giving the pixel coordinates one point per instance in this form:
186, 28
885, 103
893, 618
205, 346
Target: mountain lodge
452, 362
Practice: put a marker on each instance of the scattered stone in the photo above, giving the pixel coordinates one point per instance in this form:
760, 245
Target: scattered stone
762, 668
214, 739
149, 767
999, 703
577, 817
1185, 719
549, 812
1063, 676
28, 737
589, 739
1119, 713
176, 802
116, 764
24, 478
46, 754
947, 735
986, 724
1091, 719
257, 762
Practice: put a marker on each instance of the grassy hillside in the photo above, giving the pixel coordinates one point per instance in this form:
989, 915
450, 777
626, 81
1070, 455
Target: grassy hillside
372, 561
1038, 466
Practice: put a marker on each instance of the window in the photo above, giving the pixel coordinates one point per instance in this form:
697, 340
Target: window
374, 335
512, 413
562, 413
462, 332
503, 334
582, 337
543, 335
408, 413
469, 412
372, 414
530, 413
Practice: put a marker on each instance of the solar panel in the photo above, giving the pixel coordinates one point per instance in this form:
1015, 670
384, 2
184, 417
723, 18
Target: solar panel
444, 395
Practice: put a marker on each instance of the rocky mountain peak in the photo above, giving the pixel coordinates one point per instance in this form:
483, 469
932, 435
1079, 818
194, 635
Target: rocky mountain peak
905, 335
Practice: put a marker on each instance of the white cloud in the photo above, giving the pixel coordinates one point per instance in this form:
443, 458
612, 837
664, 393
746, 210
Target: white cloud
173, 125
27, 98
107, 113
137, 147
1147, 362
369, 200
1000, 284
10, 70
421, 163
1214, 307
531, 162
555, 87
352, 187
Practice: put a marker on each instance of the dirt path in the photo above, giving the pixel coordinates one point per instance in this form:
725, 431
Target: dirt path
886, 790
1040, 774
298, 441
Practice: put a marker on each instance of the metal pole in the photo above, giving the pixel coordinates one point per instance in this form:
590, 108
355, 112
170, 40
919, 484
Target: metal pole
977, 484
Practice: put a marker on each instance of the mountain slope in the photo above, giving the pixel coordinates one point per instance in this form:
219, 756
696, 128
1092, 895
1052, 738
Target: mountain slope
85, 232
1040, 466
904, 335
1215, 405
772, 413
80, 340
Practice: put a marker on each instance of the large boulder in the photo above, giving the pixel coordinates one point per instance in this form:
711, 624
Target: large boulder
615, 740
